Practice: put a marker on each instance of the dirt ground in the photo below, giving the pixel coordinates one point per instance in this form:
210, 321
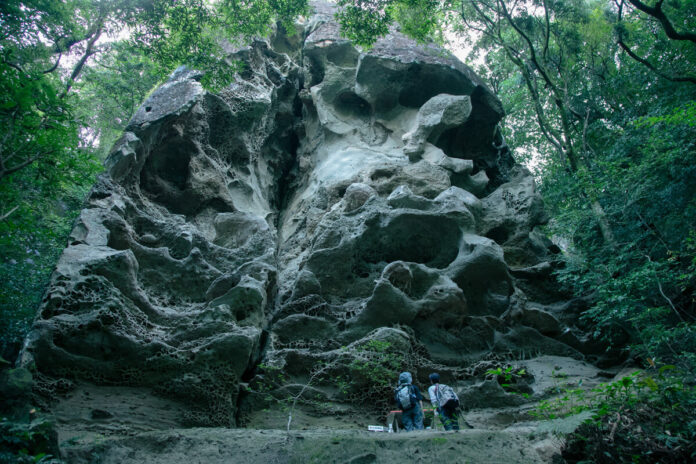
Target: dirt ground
217, 445
110, 425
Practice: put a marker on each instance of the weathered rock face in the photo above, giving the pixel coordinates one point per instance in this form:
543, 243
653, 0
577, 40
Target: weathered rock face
326, 199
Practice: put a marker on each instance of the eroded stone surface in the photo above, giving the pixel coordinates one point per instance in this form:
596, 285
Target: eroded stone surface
326, 199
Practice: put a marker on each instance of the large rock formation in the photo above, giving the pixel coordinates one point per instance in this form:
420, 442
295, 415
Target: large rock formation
328, 204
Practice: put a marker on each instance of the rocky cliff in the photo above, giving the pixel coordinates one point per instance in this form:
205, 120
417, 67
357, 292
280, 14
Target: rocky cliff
332, 216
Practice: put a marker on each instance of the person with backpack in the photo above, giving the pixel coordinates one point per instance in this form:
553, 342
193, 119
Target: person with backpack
408, 397
445, 401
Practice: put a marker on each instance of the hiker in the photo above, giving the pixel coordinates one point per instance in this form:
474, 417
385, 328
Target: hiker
408, 397
445, 401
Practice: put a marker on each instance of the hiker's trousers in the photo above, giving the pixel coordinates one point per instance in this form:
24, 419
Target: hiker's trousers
449, 418
413, 418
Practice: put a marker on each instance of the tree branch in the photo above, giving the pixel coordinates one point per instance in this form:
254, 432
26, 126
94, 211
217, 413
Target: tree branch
64, 44
15, 66
650, 66
7, 171
483, 15
313, 377
585, 123
55, 66
89, 51
7, 214
662, 292
532, 50
547, 130
613, 428
557, 97
548, 31
657, 13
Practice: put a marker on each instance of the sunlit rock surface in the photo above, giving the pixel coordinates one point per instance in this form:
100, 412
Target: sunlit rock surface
327, 198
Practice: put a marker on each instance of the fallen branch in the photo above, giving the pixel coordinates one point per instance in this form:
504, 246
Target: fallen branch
613, 428
7, 214
659, 286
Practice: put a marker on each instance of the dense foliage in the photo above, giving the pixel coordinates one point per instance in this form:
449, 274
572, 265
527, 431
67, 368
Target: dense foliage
638, 419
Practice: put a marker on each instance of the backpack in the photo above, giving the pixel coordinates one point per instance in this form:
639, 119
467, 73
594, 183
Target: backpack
405, 396
446, 397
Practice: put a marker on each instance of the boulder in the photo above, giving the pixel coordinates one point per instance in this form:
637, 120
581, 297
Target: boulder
440, 113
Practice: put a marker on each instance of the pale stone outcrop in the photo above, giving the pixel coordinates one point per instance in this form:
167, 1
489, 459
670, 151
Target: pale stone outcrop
327, 198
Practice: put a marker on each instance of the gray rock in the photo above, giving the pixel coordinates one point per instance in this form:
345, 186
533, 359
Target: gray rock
399, 275
171, 99
100, 414
356, 195
513, 209
327, 198
123, 156
437, 115
303, 327
542, 321
488, 394
306, 284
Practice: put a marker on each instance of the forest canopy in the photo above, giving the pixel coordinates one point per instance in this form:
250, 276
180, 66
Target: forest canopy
599, 95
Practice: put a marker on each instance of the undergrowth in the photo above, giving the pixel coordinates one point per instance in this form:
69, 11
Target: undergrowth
27, 442
646, 417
